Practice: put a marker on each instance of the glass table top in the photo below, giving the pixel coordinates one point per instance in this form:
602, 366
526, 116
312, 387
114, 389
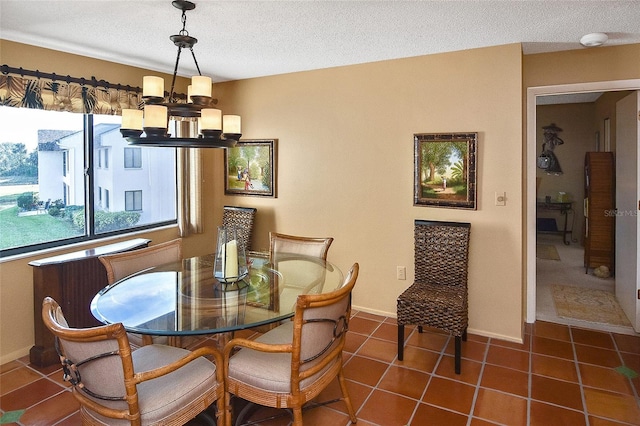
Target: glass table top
184, 298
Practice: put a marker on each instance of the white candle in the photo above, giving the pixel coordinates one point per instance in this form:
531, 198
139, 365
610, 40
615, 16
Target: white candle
231, 124
200, 86
211, 119
230, 256
155, 116
152, 86
131, 119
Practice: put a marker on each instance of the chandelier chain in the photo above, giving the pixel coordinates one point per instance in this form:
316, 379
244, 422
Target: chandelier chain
184, 31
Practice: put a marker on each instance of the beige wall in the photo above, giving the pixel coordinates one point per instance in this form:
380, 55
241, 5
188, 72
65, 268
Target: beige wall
606, 108
582, 66
345, 167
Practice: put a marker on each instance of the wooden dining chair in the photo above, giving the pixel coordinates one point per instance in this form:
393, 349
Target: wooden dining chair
291, 364
153, 385
242, 218
438, 297
120, 265
291, 244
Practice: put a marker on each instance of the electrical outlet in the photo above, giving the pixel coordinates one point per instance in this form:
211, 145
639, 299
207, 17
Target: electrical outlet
401, 272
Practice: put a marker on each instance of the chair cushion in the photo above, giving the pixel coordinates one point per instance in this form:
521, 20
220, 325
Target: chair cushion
435, 305
268, 371
161, 398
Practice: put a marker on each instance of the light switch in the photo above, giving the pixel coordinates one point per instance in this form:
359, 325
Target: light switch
501, 198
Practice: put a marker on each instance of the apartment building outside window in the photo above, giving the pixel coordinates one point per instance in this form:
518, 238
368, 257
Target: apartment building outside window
35, 143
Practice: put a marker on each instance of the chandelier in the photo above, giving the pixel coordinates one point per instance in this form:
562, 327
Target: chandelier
215, 130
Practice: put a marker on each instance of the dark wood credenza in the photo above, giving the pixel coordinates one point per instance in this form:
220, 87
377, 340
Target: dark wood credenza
72, 279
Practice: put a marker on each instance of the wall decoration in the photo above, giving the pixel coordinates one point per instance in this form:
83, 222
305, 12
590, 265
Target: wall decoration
445, 170
250, 168
547, 160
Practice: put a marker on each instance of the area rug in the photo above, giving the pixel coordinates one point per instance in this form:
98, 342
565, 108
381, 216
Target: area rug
547, 251
588, 305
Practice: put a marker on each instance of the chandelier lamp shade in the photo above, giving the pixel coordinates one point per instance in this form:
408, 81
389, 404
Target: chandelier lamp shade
213, 129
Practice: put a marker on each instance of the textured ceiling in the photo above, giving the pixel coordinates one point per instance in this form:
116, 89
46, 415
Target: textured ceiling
243, 39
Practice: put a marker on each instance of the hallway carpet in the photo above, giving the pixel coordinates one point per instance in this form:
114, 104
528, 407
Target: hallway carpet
588, 305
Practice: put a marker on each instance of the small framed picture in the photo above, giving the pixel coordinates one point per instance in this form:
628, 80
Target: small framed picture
445, 170
250, 168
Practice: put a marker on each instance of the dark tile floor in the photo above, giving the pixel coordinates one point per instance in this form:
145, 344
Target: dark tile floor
560, 375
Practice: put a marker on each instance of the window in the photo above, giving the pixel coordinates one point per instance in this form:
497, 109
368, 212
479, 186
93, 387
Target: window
34, 144
133, 200
132, 158
65, 163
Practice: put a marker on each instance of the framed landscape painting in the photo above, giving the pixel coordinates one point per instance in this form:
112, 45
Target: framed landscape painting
250, 168
445, 170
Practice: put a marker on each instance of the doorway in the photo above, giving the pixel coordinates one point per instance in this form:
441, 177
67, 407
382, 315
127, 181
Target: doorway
531, 212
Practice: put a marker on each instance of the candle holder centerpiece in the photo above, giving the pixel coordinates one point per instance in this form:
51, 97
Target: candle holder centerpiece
230, 263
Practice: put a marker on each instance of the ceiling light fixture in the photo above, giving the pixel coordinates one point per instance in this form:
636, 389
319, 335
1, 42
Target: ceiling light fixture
594, 39
216, 130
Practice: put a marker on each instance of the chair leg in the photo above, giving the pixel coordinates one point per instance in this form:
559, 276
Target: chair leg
420, 329
464, 335
221, 411
458, 353
345, 396
297, 416
400, 342
228, 413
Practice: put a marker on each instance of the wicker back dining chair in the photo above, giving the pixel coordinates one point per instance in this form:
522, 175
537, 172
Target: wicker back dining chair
291, 364
120, 265
438, 296
291, 244
242, 218
155, 384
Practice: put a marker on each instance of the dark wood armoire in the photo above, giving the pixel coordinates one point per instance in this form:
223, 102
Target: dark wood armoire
599, 210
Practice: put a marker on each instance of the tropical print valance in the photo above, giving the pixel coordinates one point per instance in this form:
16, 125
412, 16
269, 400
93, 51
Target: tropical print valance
66, 94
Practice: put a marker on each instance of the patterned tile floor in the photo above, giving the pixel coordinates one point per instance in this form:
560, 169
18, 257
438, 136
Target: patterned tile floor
560, 375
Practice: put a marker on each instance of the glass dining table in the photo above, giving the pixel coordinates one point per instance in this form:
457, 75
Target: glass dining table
184, 299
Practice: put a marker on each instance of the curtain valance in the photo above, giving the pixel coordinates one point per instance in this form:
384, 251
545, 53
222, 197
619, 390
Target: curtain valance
33, 89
